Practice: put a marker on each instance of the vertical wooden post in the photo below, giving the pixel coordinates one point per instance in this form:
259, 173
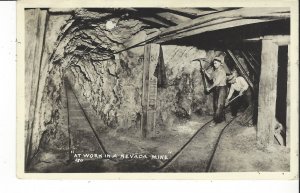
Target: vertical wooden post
288, 100
35, 40
151, 53
145, 89
267, 92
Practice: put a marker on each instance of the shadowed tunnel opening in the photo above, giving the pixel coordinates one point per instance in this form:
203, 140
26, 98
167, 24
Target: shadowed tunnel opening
281, 104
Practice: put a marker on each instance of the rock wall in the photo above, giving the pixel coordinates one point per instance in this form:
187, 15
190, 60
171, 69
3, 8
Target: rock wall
184, 94
81, 48
43, 107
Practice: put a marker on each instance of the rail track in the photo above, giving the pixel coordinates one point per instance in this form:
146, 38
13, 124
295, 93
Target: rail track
175, 156
185, 146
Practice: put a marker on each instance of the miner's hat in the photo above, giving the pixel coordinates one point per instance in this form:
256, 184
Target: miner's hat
218, 58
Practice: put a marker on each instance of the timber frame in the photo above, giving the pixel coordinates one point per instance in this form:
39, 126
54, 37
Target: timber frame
230, 19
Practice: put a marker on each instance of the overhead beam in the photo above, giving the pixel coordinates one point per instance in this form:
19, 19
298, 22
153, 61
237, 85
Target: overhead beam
190, 12
222, 8
56, 11
215, 25
236, 17
281, 40
177, 19
278, 39
154, 21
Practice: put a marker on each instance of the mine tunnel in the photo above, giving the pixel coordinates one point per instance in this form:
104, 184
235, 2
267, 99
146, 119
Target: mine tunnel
125, 90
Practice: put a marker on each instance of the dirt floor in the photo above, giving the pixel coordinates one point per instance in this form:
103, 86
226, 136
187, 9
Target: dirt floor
239, 152
127, 151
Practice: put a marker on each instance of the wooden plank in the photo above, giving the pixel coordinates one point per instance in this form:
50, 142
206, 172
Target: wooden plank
281, 40
155, 21
177, 19
240, 69
36, 37
267, 93
190, 12
149, 90
221, 8
254, 60
265, 14
56, 11
223, 23
288, 106
249, 62
145, 89
237, 14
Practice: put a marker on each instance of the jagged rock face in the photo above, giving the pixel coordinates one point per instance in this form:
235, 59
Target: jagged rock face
184, 94
80, 48
112, 84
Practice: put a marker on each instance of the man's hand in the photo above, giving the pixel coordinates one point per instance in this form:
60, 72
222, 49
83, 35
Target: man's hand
241, 93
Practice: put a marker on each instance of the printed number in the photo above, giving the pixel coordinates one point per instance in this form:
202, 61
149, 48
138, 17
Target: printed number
78, 160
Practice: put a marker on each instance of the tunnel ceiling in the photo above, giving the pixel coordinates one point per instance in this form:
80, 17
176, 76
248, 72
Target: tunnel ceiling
184, 25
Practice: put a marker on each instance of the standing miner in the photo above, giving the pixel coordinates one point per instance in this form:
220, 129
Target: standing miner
218, 76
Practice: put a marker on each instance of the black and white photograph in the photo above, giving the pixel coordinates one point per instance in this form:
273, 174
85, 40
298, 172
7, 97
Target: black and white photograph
156, 90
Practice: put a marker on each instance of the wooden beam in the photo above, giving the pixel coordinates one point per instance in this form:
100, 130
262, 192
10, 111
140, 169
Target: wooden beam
56, 11
35, 42
215, 25
254, 60
221, 8
149, 94
145, 89
155, 21
267, 93
240, 69
288, 106
177, 19
281, 40
249, 62
237, 17
190, 12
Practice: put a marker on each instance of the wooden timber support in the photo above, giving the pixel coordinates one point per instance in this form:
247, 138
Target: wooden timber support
33, 68
240, 69
288, 107
249, 62
151, 53
254, 60
268, 90
222, 20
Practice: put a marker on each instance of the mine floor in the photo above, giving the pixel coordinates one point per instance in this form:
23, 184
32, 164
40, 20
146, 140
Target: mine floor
129, 152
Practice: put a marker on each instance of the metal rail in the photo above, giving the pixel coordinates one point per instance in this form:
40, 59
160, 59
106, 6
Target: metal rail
175, 156
182, 148
88, 120
208, 167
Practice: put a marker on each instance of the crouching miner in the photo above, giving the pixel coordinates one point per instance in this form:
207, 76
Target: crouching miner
240, 94
218, 76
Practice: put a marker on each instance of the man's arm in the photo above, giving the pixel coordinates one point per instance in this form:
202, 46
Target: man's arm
244, 84
209, 76
217, 79
215, 83
230, 93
